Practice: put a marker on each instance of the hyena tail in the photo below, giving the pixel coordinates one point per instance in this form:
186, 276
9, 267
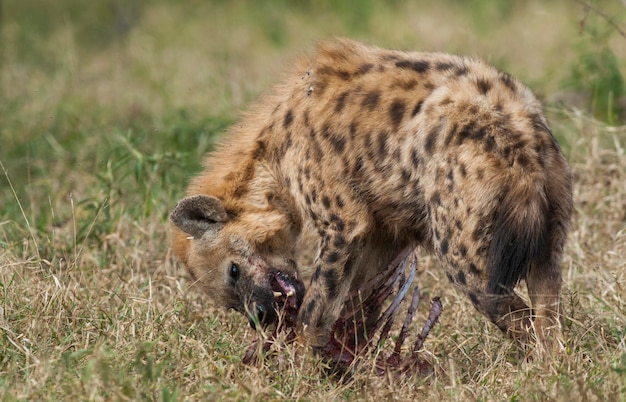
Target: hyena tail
520, 235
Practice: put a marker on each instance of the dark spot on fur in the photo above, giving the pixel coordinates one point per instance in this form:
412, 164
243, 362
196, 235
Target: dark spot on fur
332, 257
478, 233
307, 123
320, 86
450, 175
450, 277
260, 149
414, 158
419, 66
435, 199
451, 134
409, 85
316, 274
331, 280
480, 174
317, 151
417, 108
339, 225
341, 101
483, 86
506, 152
444, 247
307, 199
406, 175
308, 310
367, 141
463, 170
490, 143
461, 71
471, 132
326, 202
396, 112
371, 99
382, 143
473, 269
342, 74
326, 133
474, 299
462, 248
519, 145
446, 101
339, 201
443, 66
523, 161
288, 118
338, 144
365, 68
358, 166
538, 123
508, 81
353, 129
339, 241
431, 138
460, 276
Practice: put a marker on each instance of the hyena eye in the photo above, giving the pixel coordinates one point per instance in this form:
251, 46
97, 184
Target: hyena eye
234, 271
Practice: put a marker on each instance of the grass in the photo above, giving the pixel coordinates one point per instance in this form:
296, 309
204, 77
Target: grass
105, 113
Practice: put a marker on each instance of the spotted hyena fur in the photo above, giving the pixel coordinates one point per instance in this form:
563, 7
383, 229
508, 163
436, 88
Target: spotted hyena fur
378, 150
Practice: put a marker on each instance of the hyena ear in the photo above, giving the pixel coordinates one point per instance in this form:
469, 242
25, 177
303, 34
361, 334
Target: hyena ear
197, 214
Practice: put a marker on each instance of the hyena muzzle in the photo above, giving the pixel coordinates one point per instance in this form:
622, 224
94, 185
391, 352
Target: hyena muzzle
375, 151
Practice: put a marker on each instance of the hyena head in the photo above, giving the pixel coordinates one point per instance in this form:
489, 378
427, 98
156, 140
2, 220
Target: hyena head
238, 267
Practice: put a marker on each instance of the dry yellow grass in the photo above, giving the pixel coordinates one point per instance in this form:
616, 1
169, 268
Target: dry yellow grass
98, 141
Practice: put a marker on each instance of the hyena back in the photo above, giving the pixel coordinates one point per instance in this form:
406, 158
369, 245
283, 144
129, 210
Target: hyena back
378, 150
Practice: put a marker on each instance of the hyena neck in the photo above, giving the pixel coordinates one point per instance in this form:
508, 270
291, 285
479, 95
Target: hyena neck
268, 209
249, 186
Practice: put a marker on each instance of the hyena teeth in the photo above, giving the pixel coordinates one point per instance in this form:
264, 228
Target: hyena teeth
278, 294
290, 293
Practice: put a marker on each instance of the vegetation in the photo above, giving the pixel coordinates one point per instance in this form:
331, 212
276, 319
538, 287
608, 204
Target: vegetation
106, 110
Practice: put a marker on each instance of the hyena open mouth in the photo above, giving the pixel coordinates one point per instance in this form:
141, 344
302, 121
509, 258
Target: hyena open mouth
362, 321
288, 294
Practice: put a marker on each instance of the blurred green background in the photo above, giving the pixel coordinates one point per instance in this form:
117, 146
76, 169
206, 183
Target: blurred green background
113, 102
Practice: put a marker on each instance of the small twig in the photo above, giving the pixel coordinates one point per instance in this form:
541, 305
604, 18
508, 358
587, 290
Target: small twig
608, 19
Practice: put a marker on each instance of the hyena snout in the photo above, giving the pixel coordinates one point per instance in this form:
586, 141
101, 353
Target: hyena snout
283, 294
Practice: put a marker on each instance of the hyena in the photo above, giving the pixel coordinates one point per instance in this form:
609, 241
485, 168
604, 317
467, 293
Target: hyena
378, 150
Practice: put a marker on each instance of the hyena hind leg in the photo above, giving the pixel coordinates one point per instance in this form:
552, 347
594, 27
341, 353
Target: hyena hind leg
508, 312
537, 329
544, 290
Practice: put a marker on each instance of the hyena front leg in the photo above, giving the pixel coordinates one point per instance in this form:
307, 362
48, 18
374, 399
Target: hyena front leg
341, 242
